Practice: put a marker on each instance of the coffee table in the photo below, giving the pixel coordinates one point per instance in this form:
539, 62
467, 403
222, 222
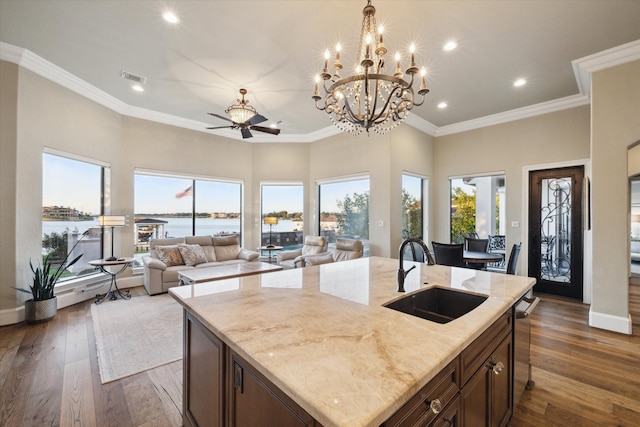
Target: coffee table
208, 274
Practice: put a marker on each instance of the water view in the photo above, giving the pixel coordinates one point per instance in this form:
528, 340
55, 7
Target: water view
176, 227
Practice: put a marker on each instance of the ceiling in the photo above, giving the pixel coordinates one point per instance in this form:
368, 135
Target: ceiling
274, 49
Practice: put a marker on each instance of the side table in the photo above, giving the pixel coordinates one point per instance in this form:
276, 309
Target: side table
270, 248
114, 292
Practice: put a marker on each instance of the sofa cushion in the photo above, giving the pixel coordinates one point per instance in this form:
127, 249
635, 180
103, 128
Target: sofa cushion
192, 254
227, 247
170, 255
225, 253
210, 253
199, 240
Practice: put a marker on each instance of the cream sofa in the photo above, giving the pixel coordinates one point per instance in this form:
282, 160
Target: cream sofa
169, 256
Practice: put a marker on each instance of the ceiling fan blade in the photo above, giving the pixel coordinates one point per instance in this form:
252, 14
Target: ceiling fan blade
256, 119
267, 130
220, 117
245, 133
221, 127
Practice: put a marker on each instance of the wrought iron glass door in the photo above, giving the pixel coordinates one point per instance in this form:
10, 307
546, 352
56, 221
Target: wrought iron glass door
555, 231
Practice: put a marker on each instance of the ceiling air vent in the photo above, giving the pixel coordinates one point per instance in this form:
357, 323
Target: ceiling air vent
133, 77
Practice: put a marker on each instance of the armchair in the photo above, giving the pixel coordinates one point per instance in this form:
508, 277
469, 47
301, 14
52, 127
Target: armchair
313, 245
346, 249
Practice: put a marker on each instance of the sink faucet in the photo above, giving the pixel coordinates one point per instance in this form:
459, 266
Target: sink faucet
401, 273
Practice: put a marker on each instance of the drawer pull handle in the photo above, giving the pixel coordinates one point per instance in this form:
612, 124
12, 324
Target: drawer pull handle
496, 367
435, 405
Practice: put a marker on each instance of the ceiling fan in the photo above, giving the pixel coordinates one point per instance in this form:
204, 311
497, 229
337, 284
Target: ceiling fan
245, 118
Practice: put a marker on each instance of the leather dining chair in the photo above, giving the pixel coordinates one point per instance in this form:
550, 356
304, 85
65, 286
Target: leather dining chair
513, 259
449, 254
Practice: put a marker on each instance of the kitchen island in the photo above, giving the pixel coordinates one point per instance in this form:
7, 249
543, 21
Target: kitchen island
321, 343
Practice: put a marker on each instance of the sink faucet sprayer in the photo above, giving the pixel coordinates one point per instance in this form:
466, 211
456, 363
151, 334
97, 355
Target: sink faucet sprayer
401, 273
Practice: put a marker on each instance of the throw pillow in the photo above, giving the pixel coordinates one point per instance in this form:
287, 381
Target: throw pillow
192, 254
170, 255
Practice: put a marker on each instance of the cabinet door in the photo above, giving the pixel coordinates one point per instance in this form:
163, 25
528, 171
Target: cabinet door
255, 401
475, 399
487, 397
501, 390
203, 381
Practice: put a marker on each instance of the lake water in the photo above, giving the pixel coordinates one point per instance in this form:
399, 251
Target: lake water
175, 227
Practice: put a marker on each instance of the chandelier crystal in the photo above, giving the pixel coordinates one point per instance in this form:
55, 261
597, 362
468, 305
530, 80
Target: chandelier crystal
369, 99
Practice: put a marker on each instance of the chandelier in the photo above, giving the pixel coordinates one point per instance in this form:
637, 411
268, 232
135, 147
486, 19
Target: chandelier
241, 112
369, 99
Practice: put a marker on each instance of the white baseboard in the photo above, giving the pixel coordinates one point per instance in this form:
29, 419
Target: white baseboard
71, 296
609, 322
9, 316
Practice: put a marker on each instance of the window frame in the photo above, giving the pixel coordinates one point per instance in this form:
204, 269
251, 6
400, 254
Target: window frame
105, 201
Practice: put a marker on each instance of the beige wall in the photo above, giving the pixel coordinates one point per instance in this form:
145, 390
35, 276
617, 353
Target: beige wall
615, 125
8, 167
551, 138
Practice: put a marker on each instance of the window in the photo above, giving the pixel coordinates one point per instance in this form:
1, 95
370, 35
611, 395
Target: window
71, 200
477, 207
170, 206
344, 209
286, 204
413, 190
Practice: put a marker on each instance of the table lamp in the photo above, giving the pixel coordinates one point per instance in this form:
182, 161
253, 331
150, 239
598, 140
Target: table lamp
112, 221
271, 220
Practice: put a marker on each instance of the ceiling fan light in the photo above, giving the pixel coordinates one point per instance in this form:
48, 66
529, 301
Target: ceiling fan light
240, 115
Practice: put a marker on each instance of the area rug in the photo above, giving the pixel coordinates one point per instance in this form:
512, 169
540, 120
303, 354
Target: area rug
135, 335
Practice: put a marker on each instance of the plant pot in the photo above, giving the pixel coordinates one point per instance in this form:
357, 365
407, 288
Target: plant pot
40, 311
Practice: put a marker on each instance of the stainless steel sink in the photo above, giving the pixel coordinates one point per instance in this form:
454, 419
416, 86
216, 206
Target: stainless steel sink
440, 305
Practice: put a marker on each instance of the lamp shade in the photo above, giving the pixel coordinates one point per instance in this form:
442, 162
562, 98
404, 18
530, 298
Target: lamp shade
112, 220
271, 220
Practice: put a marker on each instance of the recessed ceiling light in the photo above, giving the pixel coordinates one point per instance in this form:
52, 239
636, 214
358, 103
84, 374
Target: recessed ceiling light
170, 17
442, 105
450, 45
137, 88
273, 125
520, 82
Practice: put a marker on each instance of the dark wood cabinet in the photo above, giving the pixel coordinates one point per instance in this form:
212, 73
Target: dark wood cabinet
450, 417
222, 389
429, 402
255, 401
203, 376
487, 393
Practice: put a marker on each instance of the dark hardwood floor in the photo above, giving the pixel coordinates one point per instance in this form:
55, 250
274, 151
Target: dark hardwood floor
49, 374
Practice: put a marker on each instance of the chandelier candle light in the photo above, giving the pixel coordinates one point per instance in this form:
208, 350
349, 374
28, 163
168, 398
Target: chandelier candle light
369, 99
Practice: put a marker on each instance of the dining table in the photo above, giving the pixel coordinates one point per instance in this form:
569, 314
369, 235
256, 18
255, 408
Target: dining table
481, 257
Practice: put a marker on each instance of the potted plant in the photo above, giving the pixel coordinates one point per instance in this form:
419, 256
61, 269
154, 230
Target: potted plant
43, 306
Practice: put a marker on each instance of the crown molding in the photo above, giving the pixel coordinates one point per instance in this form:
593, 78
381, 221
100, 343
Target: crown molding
421, 124
582, 67
513, 115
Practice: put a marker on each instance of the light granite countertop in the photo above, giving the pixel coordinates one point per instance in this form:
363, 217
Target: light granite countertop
322, 335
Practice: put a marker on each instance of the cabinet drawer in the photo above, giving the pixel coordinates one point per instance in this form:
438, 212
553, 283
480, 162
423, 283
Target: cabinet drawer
443, 388
475, 354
